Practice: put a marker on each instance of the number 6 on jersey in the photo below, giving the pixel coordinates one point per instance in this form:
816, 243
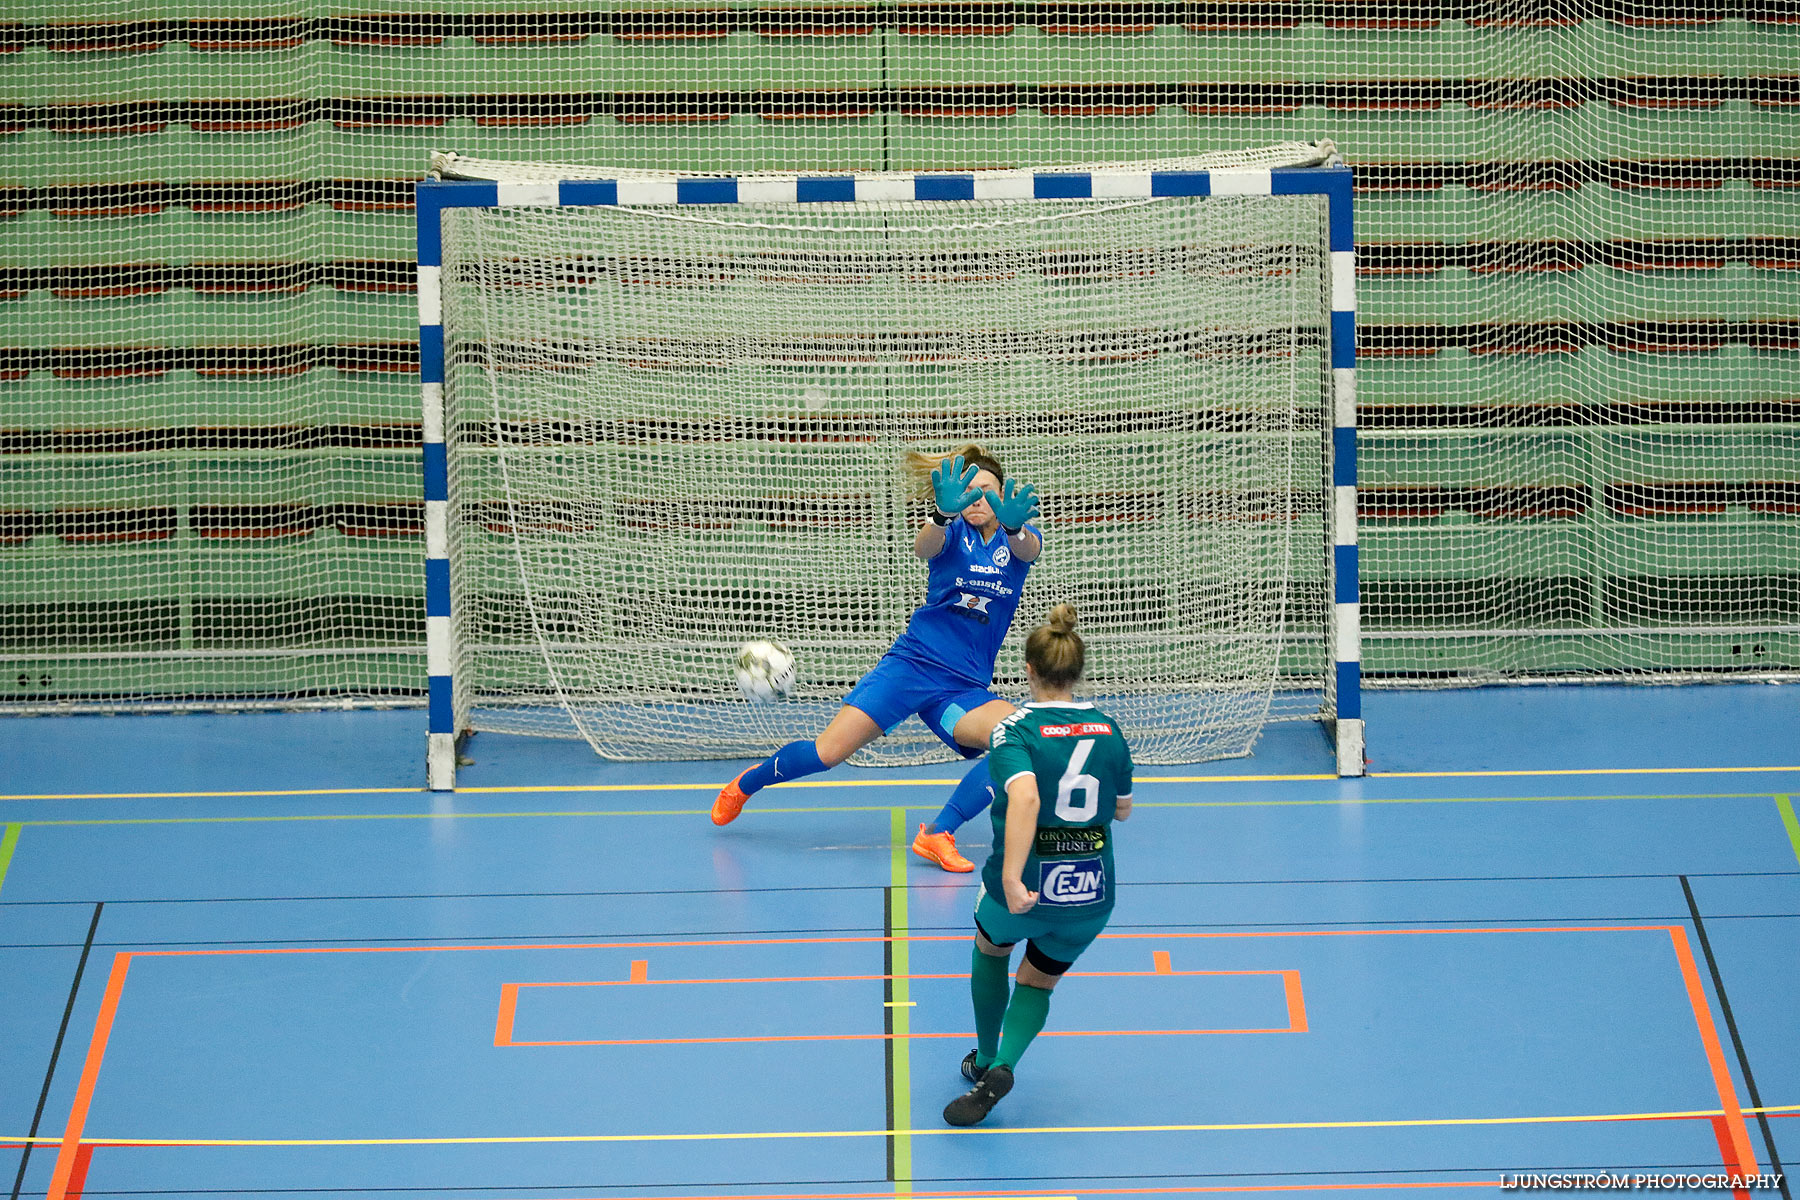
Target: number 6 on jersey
1074, 781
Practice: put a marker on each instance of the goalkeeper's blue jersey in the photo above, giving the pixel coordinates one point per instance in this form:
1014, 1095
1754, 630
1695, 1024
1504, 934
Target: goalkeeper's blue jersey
971, 592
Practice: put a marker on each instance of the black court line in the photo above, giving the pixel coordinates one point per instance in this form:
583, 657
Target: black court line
870, 887
1737, 1043
56, 1050
586, 938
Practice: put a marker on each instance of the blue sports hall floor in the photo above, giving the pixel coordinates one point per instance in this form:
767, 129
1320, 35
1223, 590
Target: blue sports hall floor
1555, 930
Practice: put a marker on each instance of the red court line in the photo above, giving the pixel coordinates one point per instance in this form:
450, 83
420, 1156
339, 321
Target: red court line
1085, 1191
1722, 1133
78, 1176
880, 1037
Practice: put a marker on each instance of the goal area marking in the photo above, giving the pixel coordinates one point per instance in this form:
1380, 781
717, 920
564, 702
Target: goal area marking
1331, 183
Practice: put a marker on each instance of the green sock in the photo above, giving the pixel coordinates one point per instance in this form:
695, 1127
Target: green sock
1024, 1018
988, 984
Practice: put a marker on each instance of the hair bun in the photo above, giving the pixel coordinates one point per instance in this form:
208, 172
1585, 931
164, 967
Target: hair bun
1061, 619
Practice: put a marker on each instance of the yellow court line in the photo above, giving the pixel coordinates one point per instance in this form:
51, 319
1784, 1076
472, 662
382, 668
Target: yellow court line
800, 1134
1578, 771
869, 783
487, 791
516, 789
524, 814
1340, 802
528, 789
214, 795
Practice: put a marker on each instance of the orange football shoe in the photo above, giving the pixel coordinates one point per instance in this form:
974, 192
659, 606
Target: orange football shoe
731, 801
940, 848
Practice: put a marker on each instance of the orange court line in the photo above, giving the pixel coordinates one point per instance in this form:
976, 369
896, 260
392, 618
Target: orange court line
68, 1152
587, 983
875, 938
812, 941
1296, 1003
509, 1004
1715, 1057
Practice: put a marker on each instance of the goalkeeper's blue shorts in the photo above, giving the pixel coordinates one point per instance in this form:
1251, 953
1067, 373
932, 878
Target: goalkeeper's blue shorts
897, 688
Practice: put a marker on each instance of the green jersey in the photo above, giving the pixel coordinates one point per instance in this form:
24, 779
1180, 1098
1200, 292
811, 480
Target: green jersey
1083, 768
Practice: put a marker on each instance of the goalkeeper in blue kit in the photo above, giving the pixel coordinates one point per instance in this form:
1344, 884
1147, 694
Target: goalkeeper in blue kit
978, 547
1062, 774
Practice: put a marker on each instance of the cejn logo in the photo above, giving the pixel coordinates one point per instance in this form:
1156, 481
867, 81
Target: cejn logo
1081, 881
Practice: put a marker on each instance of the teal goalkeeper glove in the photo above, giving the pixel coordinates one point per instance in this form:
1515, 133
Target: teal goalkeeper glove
952, 486
1015, 506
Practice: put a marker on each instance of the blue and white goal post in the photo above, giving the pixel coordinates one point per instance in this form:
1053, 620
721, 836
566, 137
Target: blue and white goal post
705, 716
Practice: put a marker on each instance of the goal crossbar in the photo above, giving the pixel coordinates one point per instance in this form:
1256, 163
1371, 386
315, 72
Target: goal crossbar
1331, 183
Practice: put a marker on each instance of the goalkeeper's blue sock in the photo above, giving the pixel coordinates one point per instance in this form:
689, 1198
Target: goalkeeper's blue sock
971, 796
793, 761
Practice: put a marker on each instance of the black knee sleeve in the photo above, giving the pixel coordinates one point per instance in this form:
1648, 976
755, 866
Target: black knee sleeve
1043, 962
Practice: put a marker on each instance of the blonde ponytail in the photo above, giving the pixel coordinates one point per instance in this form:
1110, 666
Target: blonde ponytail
1055, 651
920, 465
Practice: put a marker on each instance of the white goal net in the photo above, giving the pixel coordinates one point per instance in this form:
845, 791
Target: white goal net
674, 428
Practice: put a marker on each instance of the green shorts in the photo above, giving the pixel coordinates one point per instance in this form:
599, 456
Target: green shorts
1062, 940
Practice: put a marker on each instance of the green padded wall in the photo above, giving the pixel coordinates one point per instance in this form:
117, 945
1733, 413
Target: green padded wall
1579, 287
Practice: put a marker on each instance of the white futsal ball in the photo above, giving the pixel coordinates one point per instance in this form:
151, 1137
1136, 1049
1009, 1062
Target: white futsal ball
765, 671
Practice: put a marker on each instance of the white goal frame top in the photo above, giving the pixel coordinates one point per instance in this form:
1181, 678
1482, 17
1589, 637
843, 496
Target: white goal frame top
1332, 183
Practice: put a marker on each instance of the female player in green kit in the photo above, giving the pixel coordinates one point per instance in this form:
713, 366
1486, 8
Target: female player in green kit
1062, 775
